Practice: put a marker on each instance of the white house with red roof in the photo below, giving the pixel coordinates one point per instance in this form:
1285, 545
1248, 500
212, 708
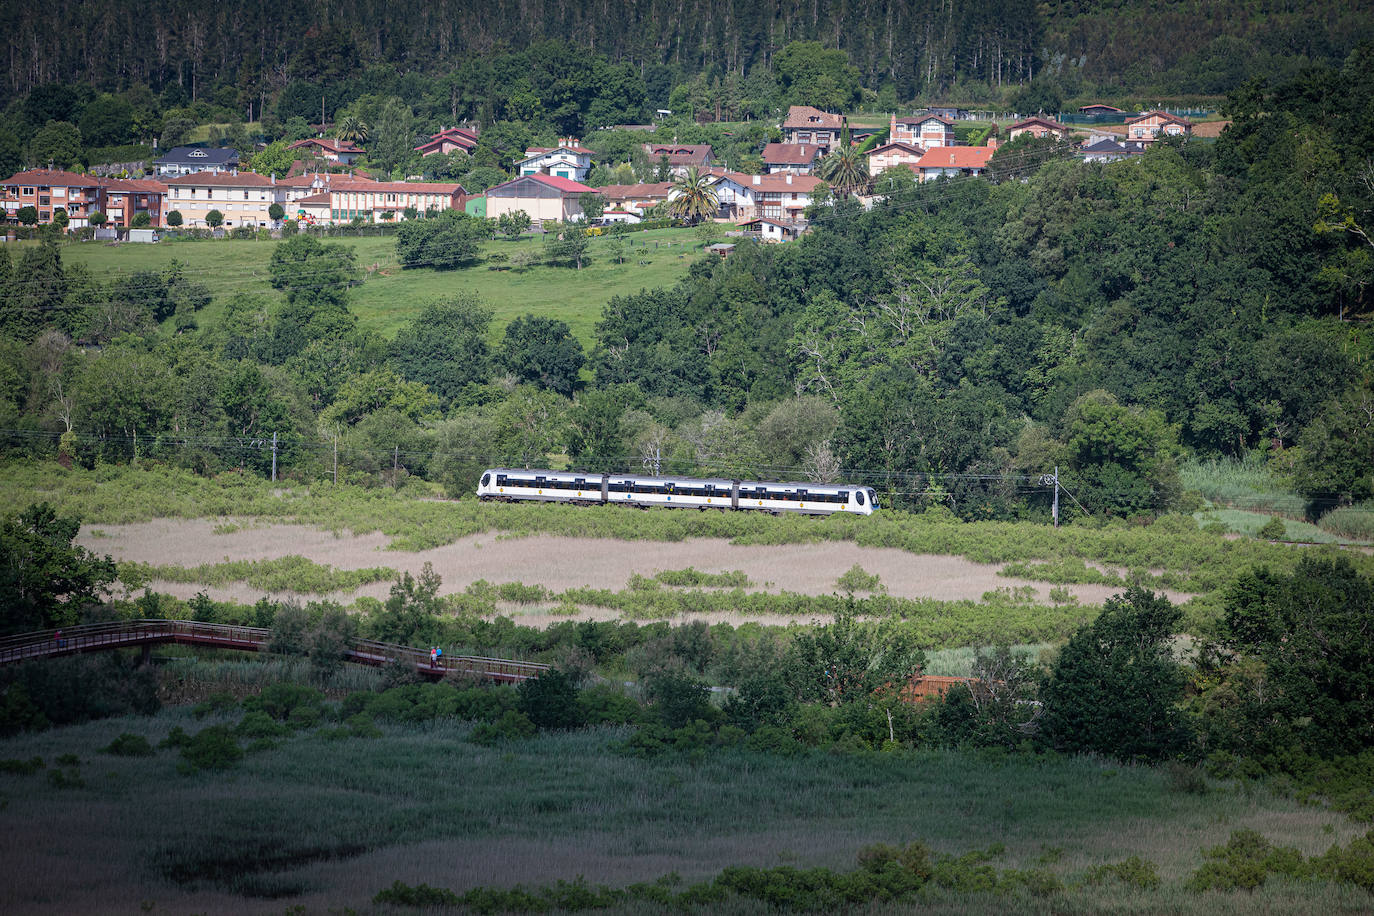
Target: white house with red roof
545, 198
950, 161
893, 154
775, 230
569, 159
780, 196
340, 151
1151, 125
448, 140
242, 198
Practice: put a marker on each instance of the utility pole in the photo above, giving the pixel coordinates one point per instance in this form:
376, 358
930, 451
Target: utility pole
336, 454
1056, 496
274, 457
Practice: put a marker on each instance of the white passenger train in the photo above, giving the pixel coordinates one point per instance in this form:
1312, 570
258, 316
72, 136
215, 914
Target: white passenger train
674, 492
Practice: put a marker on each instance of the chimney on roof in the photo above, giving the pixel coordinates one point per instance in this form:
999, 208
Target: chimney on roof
758, 179
789, 177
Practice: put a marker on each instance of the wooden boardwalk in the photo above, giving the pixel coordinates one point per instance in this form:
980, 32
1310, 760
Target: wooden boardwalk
101, 637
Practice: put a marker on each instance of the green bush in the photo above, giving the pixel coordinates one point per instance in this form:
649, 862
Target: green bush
421, 896
129, 745
258, 724
607, 704
550, 700
214, 748
512, 726
1273, 530
1133, 872
857, 579
1245, 863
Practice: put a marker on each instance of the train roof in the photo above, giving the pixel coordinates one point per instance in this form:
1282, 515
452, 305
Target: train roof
717, 481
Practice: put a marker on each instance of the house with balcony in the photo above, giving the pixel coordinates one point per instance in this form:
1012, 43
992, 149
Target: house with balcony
48, 190
242, 198
188, 160
767, 229
680, 156
893, 154
637, 199
953, 161
1038, 127
812, 126
127, 198
448, 140
1150, 126
569, 160
924, 130
340, 151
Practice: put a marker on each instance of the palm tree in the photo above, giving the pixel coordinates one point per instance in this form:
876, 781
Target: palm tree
351, 128
846, 169
693, 196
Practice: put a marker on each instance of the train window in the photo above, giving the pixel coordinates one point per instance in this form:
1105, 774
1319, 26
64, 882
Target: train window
500, 480
801, 496
580, 483
860, 497
843, 497
486, 479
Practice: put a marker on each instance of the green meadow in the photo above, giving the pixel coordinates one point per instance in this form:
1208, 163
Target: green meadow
389, 297
318, 821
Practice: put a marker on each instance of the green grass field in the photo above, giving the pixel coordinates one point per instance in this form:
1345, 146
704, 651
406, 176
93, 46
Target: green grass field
390, 297
324, 824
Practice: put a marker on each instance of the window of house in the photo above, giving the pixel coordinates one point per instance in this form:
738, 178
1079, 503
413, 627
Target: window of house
245, 195
43, 200
27, 192
59, 192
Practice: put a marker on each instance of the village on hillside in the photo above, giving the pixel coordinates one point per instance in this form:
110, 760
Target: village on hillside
202, 188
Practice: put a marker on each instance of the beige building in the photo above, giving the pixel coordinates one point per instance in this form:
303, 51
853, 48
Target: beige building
546, 198
243, 198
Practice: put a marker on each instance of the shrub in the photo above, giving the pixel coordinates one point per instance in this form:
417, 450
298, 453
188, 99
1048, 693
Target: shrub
1245, 862
857, 579
258, 724
606, 704
421, 896
1273, 530
214, 748
1133, 872
512, 726
129, 745
550, 700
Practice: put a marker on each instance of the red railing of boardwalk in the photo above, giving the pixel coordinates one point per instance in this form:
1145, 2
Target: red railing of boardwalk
97, 637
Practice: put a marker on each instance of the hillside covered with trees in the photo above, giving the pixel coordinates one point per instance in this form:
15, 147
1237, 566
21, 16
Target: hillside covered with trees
951, 344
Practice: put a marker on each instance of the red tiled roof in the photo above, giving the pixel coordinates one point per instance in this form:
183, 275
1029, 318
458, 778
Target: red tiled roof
791, 153
956, 157
134, 186
921, 119
223, 179
1046, 122
897, 144
1162, 115
314, 200
563, 185
802, 117
629, 191
679, 153
398, 187
334, 146
775, 182
52, 177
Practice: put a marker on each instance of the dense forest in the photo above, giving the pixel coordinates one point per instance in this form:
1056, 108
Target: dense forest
949, 344
247, 50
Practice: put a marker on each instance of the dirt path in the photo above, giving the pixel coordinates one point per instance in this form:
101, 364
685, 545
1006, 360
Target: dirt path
557, 563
